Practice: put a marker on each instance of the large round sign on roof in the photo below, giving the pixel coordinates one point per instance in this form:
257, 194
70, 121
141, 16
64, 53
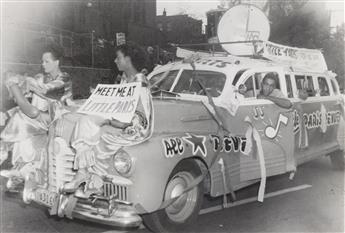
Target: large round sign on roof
242, 23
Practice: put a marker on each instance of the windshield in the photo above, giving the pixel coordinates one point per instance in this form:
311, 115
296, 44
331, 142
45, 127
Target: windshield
165, 83
213, 81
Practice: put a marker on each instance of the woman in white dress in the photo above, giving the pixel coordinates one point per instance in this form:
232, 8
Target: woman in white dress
49, 91
94, 140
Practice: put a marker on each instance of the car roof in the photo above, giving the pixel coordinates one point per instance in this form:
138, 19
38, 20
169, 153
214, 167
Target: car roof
232, 65
221, 64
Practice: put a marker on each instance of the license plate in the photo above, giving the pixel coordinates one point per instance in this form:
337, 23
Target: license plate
45, 197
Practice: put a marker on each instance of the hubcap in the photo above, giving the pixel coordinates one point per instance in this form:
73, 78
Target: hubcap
183, 207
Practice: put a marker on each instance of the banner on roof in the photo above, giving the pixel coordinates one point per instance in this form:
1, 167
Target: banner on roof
310, 59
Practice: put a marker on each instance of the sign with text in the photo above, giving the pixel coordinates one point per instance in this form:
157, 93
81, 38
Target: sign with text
295, 57
113, 101
120, 38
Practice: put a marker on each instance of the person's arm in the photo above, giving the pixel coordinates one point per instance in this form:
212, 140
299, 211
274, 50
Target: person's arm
117, 124
14, 83
22, 102
281, 102
44, 88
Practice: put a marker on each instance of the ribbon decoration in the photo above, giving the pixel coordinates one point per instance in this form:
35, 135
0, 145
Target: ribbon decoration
257, 140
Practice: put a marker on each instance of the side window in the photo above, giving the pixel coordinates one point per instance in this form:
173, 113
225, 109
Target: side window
289, 86
311, 90
247, 89
335, 87
305, 83
252, 86
323, 86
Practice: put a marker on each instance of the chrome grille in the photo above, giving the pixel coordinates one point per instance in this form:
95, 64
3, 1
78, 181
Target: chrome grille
60, 166
113, 190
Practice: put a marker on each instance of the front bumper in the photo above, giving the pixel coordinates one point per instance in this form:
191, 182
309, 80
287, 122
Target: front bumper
108, 212
122, 216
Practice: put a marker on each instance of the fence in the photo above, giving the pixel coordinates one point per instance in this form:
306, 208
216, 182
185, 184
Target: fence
82, 79
80, 49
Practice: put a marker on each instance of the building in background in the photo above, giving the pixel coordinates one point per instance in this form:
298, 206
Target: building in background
213, 17
85, 29
180, 29
135, 18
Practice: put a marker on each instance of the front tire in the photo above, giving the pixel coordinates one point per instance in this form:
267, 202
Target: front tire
338, 160
184, 211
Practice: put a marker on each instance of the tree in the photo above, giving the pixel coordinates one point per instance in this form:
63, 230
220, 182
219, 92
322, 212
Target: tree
306, 25
296, 23
334, 49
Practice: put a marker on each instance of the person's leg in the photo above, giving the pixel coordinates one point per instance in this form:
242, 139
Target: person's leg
3, 152
86, 136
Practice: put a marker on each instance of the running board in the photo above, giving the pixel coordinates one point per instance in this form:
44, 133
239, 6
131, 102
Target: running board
254, 199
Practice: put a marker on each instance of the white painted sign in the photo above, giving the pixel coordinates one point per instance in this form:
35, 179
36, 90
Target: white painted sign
113, 101
120, 38
311, 59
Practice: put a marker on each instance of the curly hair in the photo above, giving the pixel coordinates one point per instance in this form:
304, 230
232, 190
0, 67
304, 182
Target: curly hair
55, 50
137, 54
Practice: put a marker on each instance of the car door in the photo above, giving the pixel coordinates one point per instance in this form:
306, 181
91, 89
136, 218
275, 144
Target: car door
318, 117
273, 123
329, 104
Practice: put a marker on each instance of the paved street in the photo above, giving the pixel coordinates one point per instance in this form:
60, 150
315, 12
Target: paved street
319, 208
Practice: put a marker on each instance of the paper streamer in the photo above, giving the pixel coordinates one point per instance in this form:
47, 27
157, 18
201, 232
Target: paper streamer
257, 139
262, 187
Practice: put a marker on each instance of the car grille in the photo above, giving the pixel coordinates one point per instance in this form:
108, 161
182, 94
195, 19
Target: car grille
60, 168
113, 190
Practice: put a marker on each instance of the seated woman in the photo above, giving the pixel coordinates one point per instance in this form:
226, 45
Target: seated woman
96, 138
49, 92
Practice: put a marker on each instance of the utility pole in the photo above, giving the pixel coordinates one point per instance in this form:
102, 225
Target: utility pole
92, 58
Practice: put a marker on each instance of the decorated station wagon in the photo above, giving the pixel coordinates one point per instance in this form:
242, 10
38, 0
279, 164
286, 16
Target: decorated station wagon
211, 135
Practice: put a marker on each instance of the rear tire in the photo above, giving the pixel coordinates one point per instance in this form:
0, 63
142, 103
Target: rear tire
338, 160
184, 211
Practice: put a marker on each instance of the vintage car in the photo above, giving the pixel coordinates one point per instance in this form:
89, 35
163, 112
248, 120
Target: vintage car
211, 136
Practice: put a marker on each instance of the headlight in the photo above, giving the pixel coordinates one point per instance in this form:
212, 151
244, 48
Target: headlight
122, 162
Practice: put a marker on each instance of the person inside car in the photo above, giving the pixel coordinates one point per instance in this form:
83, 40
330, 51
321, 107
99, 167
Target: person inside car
270, 92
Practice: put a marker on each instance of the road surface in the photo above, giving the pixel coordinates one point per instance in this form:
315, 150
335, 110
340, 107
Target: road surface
317, 207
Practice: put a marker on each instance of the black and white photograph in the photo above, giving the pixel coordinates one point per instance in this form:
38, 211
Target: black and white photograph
161, 116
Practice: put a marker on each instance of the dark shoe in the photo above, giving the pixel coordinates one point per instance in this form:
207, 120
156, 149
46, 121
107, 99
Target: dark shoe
72, 186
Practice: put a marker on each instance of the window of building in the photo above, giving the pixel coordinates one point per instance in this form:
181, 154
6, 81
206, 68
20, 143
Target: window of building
323, 86
169, 27
136, 11
160, 26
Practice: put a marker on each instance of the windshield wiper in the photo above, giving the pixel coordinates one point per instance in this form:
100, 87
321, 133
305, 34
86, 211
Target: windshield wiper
162, 93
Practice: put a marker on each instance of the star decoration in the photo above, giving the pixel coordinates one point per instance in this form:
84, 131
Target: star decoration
198, 143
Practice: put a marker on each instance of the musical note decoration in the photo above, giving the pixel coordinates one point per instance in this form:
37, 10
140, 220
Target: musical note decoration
271, 132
